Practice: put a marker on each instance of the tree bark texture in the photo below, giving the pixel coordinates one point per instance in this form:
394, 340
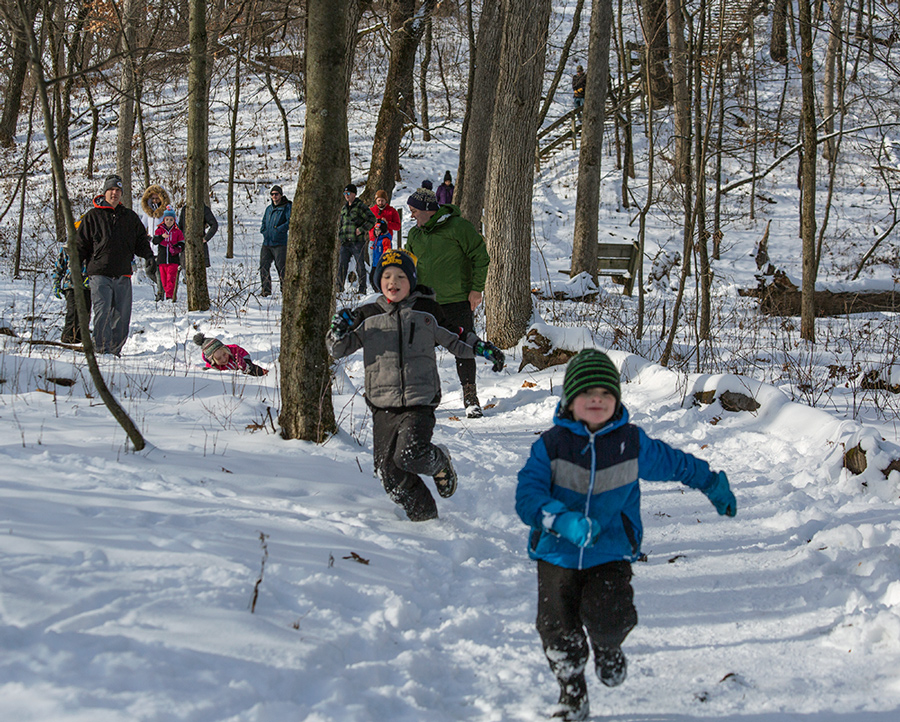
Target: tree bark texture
511, 169
587, 199
125, 126
480, 100
196, 191
407, 28
656, 43
12, 100
681, 92
778, 43
306, 408
835, 45
808, 174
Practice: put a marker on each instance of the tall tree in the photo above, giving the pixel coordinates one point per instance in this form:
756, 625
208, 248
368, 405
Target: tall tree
656, 42
681, 92
778, 43
407, 27
306, 408
587, 199
127, 87
196, 192
12, 99
471, 175
511, 169
829, 81
807, 175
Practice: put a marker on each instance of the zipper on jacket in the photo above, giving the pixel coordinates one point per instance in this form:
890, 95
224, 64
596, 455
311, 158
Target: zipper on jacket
402, 375
590, 491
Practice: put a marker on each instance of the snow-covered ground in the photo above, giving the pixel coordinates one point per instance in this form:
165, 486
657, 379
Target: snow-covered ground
226, 574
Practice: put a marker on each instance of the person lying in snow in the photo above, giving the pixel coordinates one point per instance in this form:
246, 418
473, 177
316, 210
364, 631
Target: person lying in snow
224, 358
398, 333
579, 493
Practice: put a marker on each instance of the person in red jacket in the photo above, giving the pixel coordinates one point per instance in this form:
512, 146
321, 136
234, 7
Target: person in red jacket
383, 209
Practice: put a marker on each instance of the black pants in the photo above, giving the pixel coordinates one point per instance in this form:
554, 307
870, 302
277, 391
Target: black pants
402, 447
71, 332
570, 601
460, 315
357, 251
267, 254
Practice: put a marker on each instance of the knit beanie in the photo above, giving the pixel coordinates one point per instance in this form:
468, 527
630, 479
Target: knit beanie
350, 188
427, 184
589, 369
276, 189
381, 194
448, 177
405, 260
170, 212
423, 199
112, 182
208, 345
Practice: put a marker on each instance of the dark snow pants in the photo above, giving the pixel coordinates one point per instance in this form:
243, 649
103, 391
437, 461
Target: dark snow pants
357, 251
401, 440
111, 300
71, 332
268, 255
599, 599
460, 315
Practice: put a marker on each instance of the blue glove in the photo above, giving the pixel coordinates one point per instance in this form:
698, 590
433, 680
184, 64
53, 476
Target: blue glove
720, 494
491, 353
341, 323
576, 528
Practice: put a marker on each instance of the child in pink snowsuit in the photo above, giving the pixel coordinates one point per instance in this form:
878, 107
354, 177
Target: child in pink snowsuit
224, 358
170, 240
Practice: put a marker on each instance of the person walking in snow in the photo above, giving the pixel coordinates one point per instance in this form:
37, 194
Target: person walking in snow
274, 229
231, 357
381, 242
154, 202
108, 239
63, 287
170, 239
210, 227
398, 333
453, 260
356, 222
579, 80
444, 191
383, 210
579, 493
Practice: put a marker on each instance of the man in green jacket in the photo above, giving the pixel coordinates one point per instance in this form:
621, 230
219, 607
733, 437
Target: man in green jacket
453, 260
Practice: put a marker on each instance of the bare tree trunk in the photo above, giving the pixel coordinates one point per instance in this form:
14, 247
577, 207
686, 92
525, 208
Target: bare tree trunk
12, 100
778, 43
125, 128
656, 39
232, 155
59, 174
587, 200
307, 411
482, 96
563, 60
407, 28
808, 176
511, 169
197, 192
835, 45
681, 93
423, 81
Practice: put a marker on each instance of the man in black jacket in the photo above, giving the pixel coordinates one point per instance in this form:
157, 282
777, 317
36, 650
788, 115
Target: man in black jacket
109, 237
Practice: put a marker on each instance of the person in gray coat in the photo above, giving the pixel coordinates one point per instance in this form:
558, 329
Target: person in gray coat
398, 334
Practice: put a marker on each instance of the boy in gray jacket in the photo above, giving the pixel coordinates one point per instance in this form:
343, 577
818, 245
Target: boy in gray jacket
398, 334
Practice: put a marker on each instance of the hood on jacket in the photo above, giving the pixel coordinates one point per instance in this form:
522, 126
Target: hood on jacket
163, 196
100, 202
443, 214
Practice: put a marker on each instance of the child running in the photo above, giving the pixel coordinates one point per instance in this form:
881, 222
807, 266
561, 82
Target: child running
398, 333
227, 358
579, 493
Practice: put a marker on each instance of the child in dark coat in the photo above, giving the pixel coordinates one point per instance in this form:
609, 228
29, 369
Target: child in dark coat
218, 356
579, 493
62, 286
398, 334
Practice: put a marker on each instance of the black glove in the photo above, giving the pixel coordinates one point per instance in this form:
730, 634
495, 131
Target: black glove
492, 354
341, 323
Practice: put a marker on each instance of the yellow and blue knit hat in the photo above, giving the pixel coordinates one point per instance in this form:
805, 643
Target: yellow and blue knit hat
405, 260
589, 369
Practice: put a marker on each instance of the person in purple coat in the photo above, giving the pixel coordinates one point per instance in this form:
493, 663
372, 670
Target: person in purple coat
444, 192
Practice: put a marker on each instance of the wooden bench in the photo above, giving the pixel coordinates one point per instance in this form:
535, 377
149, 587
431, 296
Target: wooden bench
619, 262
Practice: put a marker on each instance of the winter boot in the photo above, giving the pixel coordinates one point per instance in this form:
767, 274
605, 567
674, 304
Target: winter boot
445, 479
573, 700
612, 667
470, 401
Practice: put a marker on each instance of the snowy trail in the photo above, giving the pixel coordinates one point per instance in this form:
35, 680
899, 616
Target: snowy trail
127, 579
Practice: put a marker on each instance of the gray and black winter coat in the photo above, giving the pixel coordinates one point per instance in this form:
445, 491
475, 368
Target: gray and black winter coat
398, 342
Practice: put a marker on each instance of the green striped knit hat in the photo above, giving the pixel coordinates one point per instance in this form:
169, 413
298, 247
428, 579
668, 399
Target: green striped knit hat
588, 369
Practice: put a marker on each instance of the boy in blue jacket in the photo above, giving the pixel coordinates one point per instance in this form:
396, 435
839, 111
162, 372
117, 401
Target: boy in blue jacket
579, 493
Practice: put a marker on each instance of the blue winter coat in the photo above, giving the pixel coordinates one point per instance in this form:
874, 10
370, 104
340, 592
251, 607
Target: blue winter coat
275, 222
573, 469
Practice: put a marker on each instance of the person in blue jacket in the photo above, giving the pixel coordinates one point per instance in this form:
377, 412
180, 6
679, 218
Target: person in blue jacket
274, 229
580, 495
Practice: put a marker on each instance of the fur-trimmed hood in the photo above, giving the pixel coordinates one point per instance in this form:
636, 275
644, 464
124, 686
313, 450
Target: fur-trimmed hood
163, 196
